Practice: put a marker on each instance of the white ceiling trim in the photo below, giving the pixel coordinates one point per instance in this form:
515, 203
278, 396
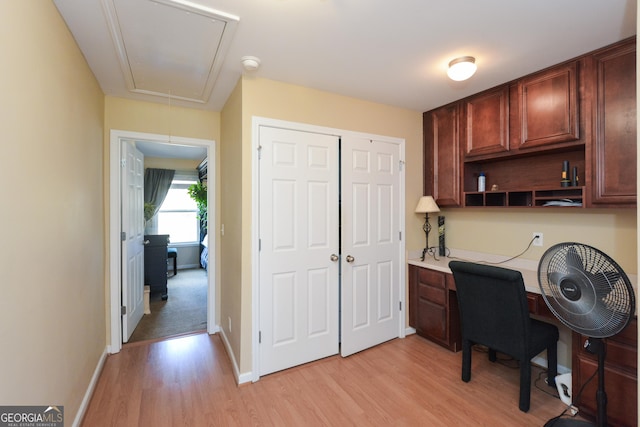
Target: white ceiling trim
139, 62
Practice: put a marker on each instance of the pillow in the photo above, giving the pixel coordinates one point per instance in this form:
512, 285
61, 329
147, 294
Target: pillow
205, 240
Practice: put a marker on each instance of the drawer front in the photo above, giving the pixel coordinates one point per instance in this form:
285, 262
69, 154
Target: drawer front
432, 293
432, 277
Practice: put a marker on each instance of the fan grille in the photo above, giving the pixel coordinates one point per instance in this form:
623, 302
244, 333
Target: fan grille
586, 289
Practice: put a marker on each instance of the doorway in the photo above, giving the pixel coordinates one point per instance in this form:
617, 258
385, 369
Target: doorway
117, 138
330, 221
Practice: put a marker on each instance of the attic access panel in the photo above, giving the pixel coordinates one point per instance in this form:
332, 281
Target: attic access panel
169, 48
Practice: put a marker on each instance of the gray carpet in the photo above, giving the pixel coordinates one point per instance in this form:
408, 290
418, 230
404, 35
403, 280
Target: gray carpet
185, 311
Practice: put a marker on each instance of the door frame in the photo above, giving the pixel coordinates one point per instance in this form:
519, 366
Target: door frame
256, 122
114, 317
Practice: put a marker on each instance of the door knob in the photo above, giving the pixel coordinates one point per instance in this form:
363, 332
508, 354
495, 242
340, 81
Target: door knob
334, 257
350, 258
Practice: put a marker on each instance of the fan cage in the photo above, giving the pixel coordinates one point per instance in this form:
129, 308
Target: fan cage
586, 289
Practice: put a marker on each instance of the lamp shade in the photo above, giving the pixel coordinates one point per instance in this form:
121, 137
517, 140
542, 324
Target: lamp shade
462, 68
426, 204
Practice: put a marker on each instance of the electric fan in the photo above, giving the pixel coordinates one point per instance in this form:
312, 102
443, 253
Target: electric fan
589, 293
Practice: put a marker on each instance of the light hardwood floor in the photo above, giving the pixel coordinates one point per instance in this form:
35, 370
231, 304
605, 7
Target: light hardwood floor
188, 381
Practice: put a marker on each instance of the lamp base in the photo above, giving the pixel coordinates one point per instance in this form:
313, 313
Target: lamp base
424, 254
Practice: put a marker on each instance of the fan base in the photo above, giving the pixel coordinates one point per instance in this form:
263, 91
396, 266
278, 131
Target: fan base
568, 422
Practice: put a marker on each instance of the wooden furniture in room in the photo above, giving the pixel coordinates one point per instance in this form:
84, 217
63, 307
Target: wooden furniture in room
519, 134
155, 263
620, 377
434, 313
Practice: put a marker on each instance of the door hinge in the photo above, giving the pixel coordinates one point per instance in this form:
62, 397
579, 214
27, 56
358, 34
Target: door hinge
123, 310
259, 152
401, 165
123, 235
400, 303
259, 337
259, 245
400, 235
123, 163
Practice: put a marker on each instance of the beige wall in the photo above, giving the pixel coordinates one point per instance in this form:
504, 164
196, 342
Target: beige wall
52, 318
154, 118
496, 231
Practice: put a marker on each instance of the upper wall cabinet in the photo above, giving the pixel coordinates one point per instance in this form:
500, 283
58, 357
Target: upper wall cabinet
613, 152
442, 165
548, 107
522, 134
485, 122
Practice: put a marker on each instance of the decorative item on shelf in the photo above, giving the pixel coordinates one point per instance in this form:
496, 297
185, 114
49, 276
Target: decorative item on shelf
481, 182
574, 177
426, 205
441, 244
494, 187
565, 182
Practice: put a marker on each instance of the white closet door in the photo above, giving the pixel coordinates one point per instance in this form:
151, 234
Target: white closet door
298, 293
132, 174
370, 243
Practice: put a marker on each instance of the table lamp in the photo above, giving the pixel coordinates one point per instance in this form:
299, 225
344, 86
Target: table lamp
426, 205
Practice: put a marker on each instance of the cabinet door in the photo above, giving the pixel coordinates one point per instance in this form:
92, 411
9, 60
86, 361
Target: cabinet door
442, 155
485, 122
548, 107
614, 148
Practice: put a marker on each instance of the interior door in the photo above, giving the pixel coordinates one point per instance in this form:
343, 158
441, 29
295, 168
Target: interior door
370, 224
132, 227
299, 264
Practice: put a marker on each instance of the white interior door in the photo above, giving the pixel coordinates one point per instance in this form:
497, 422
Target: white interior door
299, 267
132, 172
371, 228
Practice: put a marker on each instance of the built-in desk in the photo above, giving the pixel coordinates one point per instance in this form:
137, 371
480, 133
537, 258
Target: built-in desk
433, 312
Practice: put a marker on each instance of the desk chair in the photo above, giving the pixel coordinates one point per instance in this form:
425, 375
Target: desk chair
173, 253
494, 313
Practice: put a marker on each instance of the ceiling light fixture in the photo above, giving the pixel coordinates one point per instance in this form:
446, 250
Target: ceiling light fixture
462, 68
250, 63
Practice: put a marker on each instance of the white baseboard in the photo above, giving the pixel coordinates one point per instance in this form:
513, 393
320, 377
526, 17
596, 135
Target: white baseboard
92, 385
240, 378
409, 331
542, 361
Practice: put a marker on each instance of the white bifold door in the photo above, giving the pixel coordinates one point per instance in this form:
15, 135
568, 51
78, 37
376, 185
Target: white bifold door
329, 273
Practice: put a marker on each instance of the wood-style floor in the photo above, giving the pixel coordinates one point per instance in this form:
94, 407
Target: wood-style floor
188, 381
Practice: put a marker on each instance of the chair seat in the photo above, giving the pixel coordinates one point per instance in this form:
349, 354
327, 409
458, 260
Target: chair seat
173, 253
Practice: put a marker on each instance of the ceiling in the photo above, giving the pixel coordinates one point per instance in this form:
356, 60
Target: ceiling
389, 52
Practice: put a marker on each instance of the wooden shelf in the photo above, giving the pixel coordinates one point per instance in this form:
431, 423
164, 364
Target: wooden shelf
526, 198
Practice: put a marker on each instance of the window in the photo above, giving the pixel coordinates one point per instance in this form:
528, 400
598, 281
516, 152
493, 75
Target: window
177, 216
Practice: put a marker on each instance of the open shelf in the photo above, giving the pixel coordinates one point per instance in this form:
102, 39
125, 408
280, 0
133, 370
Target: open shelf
558, 197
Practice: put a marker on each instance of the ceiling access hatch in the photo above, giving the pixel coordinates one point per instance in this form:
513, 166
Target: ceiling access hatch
169, 48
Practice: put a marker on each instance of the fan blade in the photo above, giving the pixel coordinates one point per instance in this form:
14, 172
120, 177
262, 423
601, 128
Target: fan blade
573, 259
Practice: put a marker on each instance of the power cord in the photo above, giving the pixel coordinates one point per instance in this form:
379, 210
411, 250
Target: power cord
573, 409
431, 251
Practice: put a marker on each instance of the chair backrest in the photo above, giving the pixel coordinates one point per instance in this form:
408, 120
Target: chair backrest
493, 307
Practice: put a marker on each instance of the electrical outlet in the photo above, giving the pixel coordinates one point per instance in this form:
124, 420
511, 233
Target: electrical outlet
537, 239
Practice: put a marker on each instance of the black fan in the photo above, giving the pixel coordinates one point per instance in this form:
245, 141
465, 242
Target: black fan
588, 292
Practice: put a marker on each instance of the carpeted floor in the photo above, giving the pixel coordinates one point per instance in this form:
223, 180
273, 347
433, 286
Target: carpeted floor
185, 311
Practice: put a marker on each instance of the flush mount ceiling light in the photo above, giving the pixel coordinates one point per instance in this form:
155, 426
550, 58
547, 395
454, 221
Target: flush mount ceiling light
250, 63
462, 68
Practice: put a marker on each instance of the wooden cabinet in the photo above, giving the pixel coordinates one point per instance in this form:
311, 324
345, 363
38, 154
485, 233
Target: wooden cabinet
613, 152
548, 109
621, 377
519, 134
485, 122
433, 306
442, 160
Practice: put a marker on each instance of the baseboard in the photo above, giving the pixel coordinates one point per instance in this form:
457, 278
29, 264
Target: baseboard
240, 378
92, 385
542, 362
409, 331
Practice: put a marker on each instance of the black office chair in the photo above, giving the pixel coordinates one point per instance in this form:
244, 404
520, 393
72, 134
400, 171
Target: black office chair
494, 313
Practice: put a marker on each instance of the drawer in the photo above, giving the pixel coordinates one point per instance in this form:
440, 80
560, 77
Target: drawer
431, 293
432, 277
